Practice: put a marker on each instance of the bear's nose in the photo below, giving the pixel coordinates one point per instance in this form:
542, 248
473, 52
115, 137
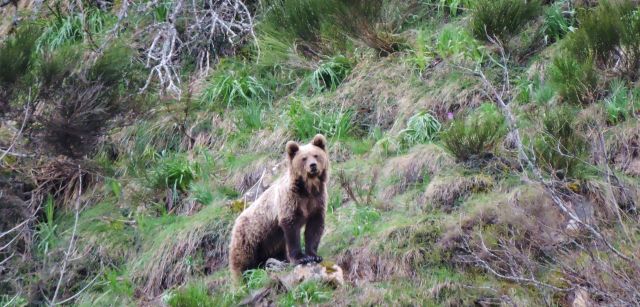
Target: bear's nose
314, 166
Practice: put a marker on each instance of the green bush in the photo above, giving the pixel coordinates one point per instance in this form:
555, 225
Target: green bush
113, 66
573, 80
598, 34
422, 128
605, 30
502, 18
558, 148
54, 66
476, 134
195, 295
15, 54
232, 86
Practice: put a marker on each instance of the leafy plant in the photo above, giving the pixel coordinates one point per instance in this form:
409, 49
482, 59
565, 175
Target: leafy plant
476, 134
558, 148
573, 80
502, 18
422, 127
330, 73
201, 193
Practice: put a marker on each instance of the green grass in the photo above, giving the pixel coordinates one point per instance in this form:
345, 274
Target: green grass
193, 295
16, 54
305, 122
233, 86
502, 18
476, 134
422, 128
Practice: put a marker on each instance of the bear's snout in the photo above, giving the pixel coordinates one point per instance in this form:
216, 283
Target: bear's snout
314, 167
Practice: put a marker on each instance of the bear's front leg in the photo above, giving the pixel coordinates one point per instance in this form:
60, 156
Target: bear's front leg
291, 228
312, 234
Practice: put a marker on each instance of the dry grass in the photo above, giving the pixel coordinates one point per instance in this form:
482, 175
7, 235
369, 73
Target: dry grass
624, 147
374, 91
405, 171
445, 190
451, 90
195, 244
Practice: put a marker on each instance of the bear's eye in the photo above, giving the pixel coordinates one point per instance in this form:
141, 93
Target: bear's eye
315, 156
304, 159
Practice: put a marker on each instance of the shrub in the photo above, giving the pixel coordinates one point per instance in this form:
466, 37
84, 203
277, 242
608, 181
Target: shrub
598, 34
330, 73
422, 128
573, 80
476, 134
558, 148
113, 65
54, 66
605, 30
502, 18
15, 54
63, 29
232, 87
76, 117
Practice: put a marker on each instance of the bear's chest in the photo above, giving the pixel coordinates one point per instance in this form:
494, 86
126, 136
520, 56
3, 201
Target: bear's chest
308, 207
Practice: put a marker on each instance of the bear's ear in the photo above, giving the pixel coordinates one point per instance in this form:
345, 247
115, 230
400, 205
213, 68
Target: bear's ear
320, 141
292, 149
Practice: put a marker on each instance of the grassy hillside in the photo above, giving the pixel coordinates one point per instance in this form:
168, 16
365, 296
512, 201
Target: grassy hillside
484, 152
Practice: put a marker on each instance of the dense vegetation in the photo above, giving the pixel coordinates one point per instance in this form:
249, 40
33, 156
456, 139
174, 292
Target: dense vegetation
483, 152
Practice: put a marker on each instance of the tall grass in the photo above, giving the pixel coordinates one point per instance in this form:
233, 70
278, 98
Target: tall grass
232, 86
422, 128
305, 123
476, 134
16, 54
502, 18
574, 80
330, 73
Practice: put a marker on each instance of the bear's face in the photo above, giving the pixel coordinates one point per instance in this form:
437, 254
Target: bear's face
309, 161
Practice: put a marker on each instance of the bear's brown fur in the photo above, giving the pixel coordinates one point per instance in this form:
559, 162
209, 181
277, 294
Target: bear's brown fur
270, 227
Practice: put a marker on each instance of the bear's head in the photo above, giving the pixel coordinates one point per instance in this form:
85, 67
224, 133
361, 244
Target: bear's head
309, 162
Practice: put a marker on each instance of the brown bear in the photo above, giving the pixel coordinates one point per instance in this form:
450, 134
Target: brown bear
271, 226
